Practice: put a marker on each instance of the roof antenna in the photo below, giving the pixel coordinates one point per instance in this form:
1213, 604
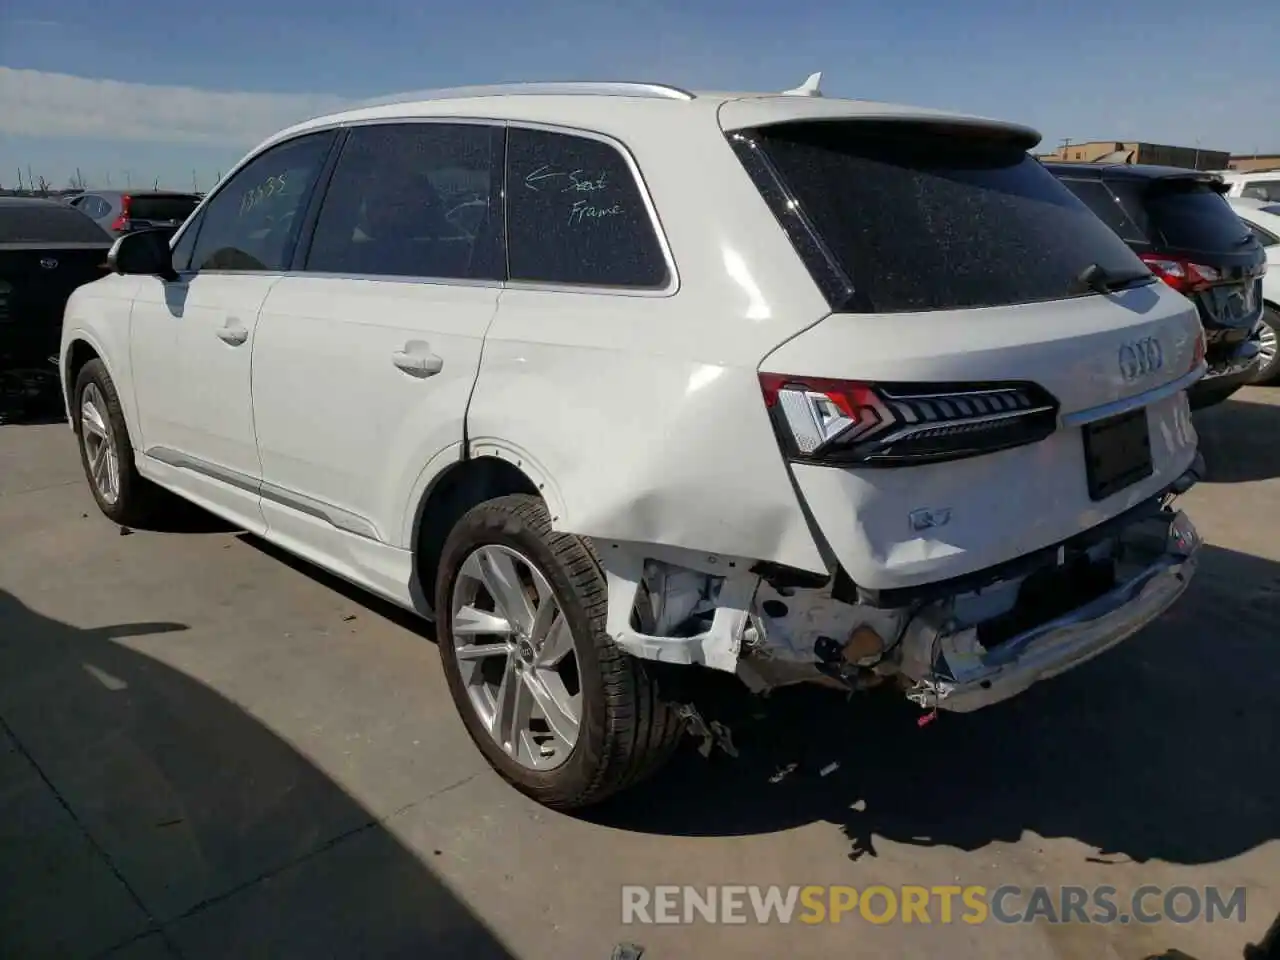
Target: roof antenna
807, 89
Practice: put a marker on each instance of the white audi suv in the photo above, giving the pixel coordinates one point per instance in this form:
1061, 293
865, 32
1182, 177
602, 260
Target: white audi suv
611, 378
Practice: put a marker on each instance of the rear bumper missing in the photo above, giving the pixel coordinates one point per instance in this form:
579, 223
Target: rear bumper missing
952, 671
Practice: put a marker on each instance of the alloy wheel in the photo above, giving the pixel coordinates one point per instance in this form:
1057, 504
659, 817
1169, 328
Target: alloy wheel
98, 443
1267, 341
515, 652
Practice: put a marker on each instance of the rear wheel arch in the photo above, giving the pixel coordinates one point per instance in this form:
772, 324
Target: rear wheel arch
460, 487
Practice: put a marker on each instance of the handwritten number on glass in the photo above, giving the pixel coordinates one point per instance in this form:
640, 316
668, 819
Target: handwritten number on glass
268, 188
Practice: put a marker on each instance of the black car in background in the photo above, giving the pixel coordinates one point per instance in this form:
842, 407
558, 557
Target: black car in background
47, 249
1179, 223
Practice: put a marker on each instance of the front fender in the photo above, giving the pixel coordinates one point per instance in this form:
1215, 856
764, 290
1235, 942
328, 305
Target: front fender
100, 318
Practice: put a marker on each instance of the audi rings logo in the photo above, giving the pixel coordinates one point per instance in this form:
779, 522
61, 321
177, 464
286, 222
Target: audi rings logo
48, 263
1140, 358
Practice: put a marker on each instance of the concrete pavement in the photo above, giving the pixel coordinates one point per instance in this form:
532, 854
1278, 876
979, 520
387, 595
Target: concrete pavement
210, 750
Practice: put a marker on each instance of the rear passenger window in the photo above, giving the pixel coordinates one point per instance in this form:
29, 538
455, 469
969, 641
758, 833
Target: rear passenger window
575, 214
414, 200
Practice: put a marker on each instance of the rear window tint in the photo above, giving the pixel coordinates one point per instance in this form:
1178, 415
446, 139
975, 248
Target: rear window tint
1107, 207
1183, 214
51, 223
162, 208
921, 219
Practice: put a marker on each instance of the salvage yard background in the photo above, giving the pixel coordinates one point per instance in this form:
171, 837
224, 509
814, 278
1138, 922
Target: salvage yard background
209, 750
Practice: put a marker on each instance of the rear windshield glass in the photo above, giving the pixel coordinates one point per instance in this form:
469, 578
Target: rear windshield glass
162, 208
48, 223
1183, 214
927, 219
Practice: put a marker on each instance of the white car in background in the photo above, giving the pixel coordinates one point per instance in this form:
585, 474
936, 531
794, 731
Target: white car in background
1263, 219
1259, 185
615, 379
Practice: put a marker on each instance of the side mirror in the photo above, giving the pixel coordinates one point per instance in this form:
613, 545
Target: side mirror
145, 253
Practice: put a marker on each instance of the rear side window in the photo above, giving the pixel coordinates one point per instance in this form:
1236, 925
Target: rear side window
47, 223
414, 200
1262, 190
575, 214
1183, 214
1106, 206
922, 219
176, 208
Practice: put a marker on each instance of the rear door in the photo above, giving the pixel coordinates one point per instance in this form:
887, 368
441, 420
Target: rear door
942, 420
367, 353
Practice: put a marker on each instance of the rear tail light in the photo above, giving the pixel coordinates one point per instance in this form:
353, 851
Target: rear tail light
844, 422
1183, 275
122, 222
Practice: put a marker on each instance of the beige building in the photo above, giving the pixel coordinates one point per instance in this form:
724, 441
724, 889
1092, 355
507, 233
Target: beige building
1113, 151
1253, 162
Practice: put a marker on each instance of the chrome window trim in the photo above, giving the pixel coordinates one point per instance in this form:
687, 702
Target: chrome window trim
670, 289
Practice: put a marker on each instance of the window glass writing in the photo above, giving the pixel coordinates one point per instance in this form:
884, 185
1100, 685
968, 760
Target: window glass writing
254, 221
575, 214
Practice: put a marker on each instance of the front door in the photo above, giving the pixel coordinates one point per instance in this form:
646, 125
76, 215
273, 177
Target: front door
193, 338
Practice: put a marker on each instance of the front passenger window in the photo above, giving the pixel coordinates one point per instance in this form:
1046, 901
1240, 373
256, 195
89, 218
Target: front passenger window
254, 220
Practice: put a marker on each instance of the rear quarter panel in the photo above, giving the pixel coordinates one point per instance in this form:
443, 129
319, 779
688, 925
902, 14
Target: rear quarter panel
642, 414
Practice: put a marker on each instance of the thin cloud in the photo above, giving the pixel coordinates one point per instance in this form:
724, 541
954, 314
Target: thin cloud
40, 104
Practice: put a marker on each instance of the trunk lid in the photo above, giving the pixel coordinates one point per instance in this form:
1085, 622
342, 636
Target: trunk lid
974, 397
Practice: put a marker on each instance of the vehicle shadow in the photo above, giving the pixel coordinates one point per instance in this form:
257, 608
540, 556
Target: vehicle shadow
207, 834
1240, 440
1165, 747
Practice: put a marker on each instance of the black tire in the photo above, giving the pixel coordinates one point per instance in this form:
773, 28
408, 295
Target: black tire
137, 499
626, 731
1270, 372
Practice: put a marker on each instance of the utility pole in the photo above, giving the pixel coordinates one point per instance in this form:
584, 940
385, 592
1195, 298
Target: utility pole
128, 179
79, 179
108, 175
195, 187
19, 179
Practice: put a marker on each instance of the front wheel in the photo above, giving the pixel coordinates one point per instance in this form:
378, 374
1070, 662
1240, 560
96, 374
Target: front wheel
1268, 337
555, 707
106, 452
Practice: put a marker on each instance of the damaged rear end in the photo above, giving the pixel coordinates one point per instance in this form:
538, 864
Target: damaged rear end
986, 433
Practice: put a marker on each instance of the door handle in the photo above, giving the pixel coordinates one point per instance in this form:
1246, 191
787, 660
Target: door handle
233, 334
417, 360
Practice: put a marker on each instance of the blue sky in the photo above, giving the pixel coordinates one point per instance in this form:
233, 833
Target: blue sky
138, 91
